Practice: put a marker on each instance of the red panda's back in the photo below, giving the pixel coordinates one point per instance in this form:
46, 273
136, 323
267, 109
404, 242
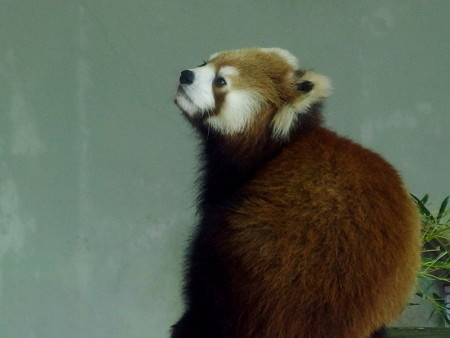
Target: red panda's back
325, 240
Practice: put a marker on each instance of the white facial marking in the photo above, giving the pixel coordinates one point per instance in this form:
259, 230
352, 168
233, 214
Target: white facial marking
237, 113
197, 97
228, 71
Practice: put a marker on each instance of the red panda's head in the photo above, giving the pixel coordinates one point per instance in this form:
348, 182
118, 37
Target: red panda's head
240, 91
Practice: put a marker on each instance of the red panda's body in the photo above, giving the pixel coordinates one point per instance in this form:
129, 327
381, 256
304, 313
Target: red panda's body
303, 233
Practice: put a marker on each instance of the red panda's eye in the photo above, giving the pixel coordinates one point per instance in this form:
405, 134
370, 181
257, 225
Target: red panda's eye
220, 81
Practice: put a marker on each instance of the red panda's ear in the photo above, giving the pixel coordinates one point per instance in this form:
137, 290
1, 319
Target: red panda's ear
305, 86
287, 56
316, 86
312, 88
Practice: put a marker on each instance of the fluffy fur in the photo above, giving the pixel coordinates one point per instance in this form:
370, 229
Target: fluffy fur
302, 233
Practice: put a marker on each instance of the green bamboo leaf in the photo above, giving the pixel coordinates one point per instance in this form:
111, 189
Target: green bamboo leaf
442, 209
435, 253
421, 204
432, 313
424, 199
444, 315
438, 299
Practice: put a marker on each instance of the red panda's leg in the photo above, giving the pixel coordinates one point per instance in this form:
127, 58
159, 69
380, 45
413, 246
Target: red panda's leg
183, 328
205, 291
194, 326
190, 327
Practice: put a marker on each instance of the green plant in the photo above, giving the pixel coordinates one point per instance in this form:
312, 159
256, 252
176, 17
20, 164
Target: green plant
435, 271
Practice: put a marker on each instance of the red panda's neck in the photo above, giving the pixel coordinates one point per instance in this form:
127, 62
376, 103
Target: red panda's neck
230, 161
226, 166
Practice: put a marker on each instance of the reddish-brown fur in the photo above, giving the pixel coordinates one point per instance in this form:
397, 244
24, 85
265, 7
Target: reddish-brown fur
308, 235
326, 241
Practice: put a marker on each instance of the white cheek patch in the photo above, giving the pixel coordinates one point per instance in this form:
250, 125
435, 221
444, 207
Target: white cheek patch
198, 97
238, 111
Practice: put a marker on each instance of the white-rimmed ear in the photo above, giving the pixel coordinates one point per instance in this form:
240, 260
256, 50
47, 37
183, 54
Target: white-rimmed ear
283, 53
213, 56
314, 90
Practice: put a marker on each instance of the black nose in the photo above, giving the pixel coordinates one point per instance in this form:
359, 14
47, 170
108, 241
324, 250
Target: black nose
187, 77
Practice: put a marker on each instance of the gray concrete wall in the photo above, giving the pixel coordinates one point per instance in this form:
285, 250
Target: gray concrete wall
97, 166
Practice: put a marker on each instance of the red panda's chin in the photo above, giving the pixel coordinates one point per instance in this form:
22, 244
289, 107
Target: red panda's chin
186, 105
194, 104
191, 110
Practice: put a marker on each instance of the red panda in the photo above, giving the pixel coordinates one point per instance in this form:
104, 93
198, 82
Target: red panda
302, 233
